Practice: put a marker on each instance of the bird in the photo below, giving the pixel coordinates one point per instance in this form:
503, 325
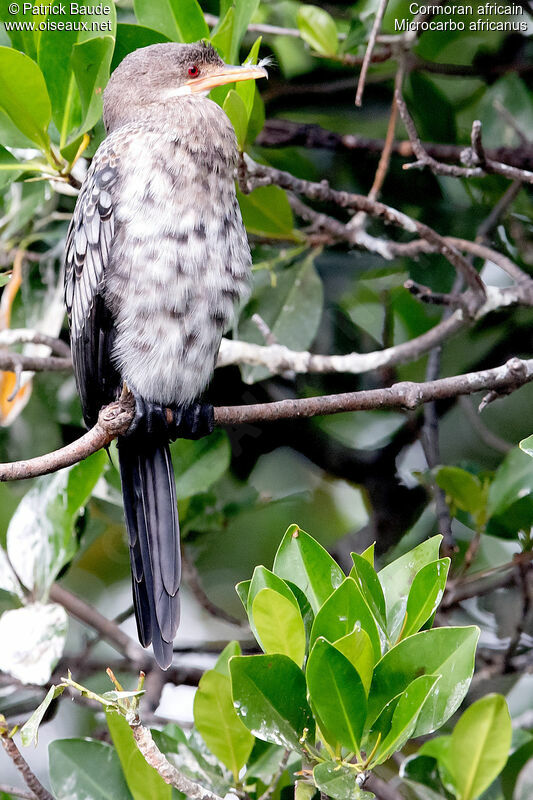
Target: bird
156, 259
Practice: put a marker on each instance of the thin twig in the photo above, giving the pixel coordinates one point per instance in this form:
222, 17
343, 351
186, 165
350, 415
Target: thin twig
191, 577
30, 779
15, 791
267, 794
369, 50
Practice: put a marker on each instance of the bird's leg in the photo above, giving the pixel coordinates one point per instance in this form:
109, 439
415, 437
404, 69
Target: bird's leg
191, 422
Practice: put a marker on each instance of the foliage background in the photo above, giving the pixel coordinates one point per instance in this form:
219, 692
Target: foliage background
349, 479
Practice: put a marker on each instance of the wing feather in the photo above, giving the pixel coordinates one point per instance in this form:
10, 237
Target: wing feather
87, 256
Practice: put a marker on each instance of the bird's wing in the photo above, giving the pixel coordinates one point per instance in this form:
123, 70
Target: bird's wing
87, 254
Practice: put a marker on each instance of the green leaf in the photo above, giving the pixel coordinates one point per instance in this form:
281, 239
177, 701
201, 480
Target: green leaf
338, 781
480, 745
318, 29
292, 310
269, 693
243, 590
463, 488
222, 663
23, 96
405, 716
246, 89
91, 61
368, 554
344, 611
448, 652
29, 733
89, 769
396, 579
302, 560
41, 536
337, 693
10, 168
512, 482
217, 721
198, 464
366, 578
180, 20
266, 212
142, 779
357, 648
132, 37
527, 445
279, 625
236, 111
263, 578
425, 595
222, 35
56, 62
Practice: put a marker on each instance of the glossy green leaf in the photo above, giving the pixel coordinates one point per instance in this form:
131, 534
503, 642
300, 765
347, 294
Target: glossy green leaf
527, 445
41, 536
222, 36
246, 89
306, 563
132, 37
279, 625
89, 769
243, 13
396, 579
236, 111
199, 463
263, 578
515, 763
462, 488
269, 693
366, 578
338, 781
91, 61
318, 29
480, 745
23, 40
266, 212
405, 716
222, 663
24, 97
292, 310
10, 167
180, 20
357, 648
368, 554
142, 779
56, 56
217, 721
425, 595
512, 482
29, 733
344, 611
337, 693
243, 590
448, 652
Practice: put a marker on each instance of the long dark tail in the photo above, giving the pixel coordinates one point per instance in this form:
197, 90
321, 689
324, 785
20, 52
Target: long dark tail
151, 515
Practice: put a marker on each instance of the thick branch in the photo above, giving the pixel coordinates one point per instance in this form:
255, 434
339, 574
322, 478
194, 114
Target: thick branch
405, 395
156, 759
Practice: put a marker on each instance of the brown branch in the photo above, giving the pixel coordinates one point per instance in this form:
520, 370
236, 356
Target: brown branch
475, 156
260, 175
30, 779
406, 395
285, 133
168, 772
16, 792
107, 629
369, 50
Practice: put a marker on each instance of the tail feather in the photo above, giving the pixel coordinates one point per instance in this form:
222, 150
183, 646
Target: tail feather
153, 530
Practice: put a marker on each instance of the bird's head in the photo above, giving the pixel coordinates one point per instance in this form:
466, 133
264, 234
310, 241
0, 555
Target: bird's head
152, 76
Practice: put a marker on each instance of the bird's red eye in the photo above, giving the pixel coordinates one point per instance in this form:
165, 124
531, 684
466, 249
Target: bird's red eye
193, 71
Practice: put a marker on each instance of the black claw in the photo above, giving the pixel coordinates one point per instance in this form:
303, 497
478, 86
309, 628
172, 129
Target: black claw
150, 419
192, 422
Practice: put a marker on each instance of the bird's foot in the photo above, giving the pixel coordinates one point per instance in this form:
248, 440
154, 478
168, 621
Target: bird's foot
174, 422
191, 422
